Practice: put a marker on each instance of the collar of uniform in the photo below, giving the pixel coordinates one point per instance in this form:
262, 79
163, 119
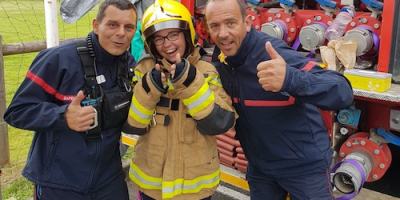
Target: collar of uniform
102, 56
195, 56
247, 44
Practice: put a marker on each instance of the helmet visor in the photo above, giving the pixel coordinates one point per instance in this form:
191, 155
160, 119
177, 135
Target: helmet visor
183, 25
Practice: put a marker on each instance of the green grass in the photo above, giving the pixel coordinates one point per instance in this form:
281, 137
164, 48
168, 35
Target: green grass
128, 154
24, 21
20, 189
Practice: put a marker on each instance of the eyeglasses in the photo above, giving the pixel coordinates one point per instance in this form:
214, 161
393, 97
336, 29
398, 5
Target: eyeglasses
172, 36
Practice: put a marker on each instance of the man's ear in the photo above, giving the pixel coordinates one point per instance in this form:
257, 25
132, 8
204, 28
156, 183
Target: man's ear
95, 25
247, 23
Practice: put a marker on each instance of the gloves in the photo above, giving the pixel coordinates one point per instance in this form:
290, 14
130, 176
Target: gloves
155, 78
184, 68
180, 67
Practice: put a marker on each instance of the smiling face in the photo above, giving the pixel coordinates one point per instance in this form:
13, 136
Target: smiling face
169, 49
226, 25
116, 30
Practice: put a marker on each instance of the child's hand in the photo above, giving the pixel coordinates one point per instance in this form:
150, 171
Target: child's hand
173, 67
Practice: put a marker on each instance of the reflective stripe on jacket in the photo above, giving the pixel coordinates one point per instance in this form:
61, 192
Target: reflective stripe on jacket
178, 157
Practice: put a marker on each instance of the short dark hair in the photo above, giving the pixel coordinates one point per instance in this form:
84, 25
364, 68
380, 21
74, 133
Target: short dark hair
242, 7
189, 45
120, 4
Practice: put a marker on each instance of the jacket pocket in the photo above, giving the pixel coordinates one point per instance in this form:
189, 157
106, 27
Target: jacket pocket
293, 152
53, 148
115, 108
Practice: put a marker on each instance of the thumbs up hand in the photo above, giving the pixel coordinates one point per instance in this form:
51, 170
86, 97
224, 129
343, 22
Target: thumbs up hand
79, 118
163, 77
271, 73
174, 70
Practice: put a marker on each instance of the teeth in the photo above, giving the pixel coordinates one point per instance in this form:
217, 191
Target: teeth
170, 51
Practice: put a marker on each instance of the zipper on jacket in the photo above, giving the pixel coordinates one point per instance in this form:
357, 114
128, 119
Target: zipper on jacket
52, 152
237, 89
94, 167
234, 86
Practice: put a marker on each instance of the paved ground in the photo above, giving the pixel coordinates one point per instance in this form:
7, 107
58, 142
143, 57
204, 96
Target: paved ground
386, 188
366, 194
228, 192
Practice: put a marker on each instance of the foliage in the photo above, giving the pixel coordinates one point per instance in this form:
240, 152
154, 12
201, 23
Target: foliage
128, 154
24, 21
20, 189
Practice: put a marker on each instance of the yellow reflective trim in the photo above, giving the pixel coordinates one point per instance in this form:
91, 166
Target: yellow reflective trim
135, 79
170, 86
143, 180
144, 116
142, 109
204, 88
215, 80
181, 186
204, 185
177, 188
138, 76
215, 83
203, 105
138, 119
171, 189
212, 176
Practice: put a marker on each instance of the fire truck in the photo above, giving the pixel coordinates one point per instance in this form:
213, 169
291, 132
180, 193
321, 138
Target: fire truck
364, 137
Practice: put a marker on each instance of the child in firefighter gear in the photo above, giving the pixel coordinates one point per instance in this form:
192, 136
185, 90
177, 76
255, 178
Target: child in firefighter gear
63, 162
178, 107
277, 93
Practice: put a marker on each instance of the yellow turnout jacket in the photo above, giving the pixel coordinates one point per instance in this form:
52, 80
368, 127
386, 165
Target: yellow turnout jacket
176, 155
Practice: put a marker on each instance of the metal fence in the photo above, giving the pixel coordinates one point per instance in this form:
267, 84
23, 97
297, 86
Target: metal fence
7, 50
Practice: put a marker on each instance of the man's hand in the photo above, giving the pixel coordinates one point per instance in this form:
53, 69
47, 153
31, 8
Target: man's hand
79, 118
271, 74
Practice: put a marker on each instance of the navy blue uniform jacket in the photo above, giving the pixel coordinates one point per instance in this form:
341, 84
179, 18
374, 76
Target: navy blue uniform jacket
60, 157
282, 133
